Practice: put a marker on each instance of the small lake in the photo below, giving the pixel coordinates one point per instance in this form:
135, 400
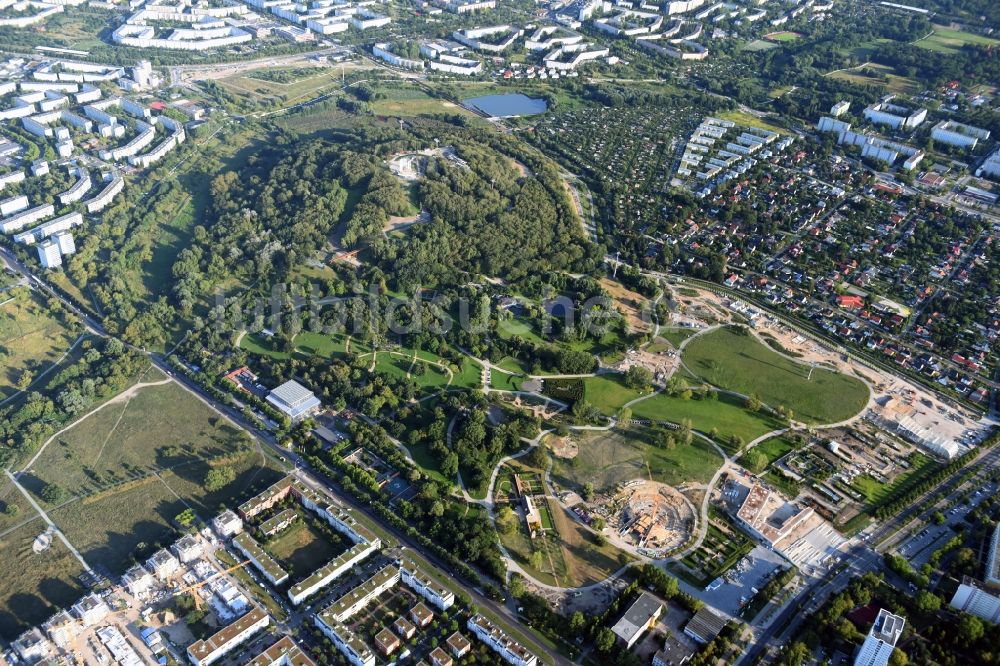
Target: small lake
505, 106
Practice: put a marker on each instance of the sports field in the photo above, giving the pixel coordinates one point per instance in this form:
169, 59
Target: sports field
32, 338
782, 36
607, 458
738, 362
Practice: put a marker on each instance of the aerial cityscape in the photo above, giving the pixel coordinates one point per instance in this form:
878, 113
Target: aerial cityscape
501, 332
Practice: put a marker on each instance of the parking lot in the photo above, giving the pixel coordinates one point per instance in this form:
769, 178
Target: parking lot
919, 548
728, 593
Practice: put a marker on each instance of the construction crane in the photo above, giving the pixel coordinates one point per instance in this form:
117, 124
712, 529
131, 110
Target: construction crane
192, 588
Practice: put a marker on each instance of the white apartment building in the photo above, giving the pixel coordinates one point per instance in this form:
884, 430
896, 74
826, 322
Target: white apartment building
224, 641
64, 240
49, 255
881, 640
91, 610
13, 205
25, 218
187, 549
975, 599
227, 524
426, 586
52, 227
138, 581
162, 564
509, 650
77, 189
105, 196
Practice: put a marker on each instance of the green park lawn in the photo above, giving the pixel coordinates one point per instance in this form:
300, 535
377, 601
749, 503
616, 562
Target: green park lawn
725, 413
774, 448
740, 363
608, 393
505, 382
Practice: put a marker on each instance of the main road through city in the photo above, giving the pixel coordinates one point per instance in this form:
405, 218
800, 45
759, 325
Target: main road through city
300, 463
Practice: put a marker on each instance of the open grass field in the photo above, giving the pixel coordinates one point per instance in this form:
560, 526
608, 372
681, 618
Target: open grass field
34, 585
873, 74
740, 363
946, 40
32, 338
21, 512
876, 492
607, 458
865, 50
675, 336
315, 122
775, 448
303, 549
509, 328
726, 414
129, 468
158, 428
743, 118
108, 526
405, 100
290, 85
608, 393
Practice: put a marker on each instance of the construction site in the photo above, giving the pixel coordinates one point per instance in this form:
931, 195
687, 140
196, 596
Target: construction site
650, 518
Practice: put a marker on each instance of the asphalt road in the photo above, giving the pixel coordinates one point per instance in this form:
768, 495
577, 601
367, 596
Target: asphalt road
237, 418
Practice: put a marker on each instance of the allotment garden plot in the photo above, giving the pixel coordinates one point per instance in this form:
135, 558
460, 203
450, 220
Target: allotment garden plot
631, 149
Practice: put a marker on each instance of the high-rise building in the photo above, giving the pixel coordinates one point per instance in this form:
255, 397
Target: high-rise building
881, 640
64, 240
973, 598
49, 254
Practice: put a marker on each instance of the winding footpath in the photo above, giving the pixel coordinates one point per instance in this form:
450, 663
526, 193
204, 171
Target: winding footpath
728, 466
